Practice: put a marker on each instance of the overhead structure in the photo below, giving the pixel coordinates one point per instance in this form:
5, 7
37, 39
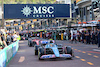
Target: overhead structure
34, 11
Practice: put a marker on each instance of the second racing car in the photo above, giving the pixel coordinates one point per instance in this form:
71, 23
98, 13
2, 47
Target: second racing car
33, 41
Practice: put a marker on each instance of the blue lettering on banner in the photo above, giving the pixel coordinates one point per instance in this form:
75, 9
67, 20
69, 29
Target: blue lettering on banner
36, 10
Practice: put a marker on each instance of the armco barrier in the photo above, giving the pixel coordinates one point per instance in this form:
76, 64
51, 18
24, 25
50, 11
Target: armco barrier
8, 53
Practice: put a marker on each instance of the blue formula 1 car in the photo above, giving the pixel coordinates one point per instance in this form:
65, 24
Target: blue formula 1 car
52, 50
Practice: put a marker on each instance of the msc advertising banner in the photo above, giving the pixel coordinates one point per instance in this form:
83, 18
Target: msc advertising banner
18, 11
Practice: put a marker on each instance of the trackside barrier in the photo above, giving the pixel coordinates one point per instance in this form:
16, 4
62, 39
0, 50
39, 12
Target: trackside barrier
8, 53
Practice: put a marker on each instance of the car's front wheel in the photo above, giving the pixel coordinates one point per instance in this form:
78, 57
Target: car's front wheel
36, 52
39, 55
68, 50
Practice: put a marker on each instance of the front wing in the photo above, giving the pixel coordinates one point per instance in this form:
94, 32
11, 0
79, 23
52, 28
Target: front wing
53, 56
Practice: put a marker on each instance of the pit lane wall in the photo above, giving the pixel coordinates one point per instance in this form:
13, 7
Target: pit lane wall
8, 53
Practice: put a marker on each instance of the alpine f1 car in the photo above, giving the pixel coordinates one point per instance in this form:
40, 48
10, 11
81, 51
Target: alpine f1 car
51, 50
33, 41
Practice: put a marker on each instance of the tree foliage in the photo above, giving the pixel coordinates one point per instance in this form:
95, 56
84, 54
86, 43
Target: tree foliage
27, 1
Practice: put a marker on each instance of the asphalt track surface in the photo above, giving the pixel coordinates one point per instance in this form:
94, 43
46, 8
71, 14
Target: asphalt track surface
85, 56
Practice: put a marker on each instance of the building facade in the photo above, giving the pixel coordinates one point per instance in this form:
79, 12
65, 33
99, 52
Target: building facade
86, 10
86, 13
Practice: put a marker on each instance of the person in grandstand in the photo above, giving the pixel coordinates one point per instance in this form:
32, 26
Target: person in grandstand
3, 42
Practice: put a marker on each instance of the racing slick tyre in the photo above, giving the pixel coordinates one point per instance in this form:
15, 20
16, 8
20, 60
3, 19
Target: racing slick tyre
36, 49
40, 53
36, 52
69, 51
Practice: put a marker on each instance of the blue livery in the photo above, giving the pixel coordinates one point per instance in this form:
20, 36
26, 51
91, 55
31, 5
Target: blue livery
52, 50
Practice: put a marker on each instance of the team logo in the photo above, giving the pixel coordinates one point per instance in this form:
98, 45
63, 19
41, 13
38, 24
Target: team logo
26, 11
41, 11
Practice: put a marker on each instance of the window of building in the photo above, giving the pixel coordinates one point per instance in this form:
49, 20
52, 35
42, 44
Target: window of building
77, 11
84, 11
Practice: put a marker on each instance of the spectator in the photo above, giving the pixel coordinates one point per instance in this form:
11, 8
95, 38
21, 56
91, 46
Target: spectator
69, 35
15, 37
74, 37
93, 38
29, 34
8, 41
1, 44
3, 40
65, 35
78, 36
87, 37
58, 36
83, 36
98, 38
12, 37
47, 35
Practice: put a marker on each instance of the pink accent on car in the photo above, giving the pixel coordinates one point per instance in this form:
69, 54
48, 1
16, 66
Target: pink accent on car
37, 41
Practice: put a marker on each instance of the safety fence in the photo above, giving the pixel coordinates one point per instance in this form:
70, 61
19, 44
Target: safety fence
8, 53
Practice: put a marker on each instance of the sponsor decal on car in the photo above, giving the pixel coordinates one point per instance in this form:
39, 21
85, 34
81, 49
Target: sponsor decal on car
48, 56
65, 55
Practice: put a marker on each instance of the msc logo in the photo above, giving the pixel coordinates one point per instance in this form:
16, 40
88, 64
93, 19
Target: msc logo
26, 11
41, 11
